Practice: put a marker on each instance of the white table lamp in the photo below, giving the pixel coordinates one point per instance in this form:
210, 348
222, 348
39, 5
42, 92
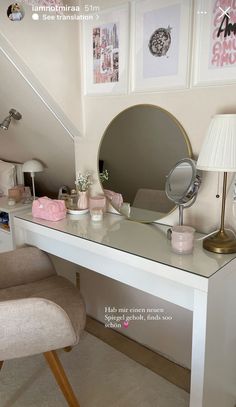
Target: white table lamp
218, 153
32, 166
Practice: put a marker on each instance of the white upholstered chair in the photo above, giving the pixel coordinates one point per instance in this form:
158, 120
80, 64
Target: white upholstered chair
39, 311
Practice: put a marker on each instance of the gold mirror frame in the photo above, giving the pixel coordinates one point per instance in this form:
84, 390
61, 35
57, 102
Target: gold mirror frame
152, 217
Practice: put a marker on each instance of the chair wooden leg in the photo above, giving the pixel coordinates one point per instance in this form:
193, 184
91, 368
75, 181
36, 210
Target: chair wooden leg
1, 363
61, 378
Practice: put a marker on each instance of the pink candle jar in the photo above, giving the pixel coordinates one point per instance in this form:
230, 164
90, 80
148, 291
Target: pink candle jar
14, 193
98, 201
182, 239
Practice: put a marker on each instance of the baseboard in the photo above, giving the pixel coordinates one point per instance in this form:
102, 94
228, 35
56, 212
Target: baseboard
158, 364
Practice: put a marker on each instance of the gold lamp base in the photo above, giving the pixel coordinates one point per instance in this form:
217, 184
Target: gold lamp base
221, 242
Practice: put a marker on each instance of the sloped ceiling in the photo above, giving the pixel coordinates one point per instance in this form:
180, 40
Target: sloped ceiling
37, 135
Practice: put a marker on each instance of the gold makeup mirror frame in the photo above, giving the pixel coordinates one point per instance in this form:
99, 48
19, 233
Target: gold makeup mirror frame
152, 216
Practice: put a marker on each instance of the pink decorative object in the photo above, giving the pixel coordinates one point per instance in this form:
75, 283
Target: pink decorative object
114, 197
26, 195
83, 200
49, 209
15, 193
98, 201
182, 239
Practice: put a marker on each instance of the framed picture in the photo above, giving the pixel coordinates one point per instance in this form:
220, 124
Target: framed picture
161, 44
106, 42
214, 61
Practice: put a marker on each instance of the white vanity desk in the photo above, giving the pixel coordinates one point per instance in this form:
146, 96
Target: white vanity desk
140, 255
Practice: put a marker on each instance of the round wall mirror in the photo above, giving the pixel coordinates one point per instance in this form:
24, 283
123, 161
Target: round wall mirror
138, 149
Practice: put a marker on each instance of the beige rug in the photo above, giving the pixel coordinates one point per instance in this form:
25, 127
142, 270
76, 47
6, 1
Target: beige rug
100, 375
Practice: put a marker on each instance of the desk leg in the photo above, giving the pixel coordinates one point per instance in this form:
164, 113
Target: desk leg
19, 237
213, 378
198, 349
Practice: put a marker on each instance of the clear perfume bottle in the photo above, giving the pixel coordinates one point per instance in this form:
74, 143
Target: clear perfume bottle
73, 198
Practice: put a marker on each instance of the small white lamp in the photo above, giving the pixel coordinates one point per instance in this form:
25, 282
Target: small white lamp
218, 153
32, 166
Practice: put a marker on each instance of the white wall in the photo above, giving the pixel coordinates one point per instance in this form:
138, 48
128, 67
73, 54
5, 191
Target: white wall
37, 135
51, 51
47, 56
193, 108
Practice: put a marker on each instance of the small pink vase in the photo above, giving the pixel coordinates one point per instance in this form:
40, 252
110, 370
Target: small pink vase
83, 200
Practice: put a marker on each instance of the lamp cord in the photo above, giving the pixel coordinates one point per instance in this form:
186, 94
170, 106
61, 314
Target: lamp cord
222, 223
218, 186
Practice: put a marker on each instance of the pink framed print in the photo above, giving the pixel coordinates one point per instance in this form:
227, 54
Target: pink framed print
105, 52
214, 60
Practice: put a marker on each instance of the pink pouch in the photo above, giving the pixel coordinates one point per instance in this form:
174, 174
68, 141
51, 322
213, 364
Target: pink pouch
49, 209
114, 197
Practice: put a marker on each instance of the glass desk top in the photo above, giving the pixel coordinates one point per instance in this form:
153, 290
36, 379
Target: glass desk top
142, 240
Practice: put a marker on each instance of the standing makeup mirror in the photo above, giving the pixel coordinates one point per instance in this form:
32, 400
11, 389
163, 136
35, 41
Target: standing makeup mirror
182, 185
138, 149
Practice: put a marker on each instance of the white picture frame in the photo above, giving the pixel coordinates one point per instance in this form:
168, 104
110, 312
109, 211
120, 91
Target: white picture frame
165, 66
212, 59
105, 52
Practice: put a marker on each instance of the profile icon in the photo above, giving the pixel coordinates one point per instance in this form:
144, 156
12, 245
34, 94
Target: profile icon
15, 12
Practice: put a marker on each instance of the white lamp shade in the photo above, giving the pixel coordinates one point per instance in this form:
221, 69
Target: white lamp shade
32, 166
218, 152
